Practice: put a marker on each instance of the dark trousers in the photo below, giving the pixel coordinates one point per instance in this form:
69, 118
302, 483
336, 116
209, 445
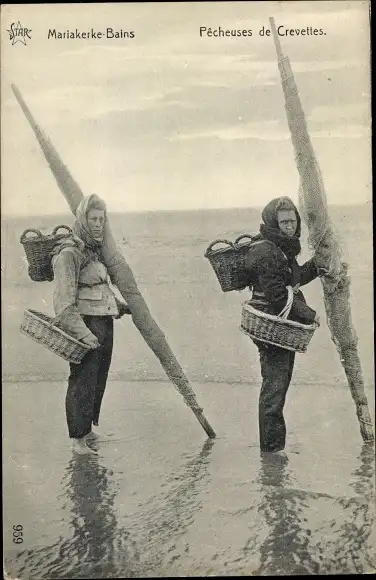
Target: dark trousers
277, 365
87, 380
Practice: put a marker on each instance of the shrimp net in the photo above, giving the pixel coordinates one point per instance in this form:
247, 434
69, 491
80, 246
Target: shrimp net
325, 242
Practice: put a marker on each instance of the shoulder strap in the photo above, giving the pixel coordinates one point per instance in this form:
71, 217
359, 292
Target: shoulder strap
257, 242
269, 242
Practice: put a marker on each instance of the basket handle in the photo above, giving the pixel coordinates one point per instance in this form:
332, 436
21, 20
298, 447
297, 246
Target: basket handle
62, 226
58, 316
218, 242
23, 237
243, 236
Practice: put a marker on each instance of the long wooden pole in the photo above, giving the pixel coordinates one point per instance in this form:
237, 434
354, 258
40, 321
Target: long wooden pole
121, 275
336, 285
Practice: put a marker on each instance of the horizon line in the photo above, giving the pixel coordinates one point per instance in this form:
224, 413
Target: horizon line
194, 209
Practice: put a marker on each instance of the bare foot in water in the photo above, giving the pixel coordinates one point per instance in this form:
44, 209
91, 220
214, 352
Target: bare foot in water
96, 436
281, 454
274, 455
80, 447
92, 436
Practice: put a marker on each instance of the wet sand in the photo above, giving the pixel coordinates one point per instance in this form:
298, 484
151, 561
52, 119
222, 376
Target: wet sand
162, 500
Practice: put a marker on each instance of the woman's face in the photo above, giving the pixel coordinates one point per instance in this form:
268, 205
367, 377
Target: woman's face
287, 221
95, 220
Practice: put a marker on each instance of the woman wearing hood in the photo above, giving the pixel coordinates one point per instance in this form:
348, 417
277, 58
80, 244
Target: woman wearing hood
86, 306
275, 278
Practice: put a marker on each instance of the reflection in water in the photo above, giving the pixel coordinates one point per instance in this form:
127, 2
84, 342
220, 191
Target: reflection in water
343, 544
335, 539
98, 548
285, 550
354, 547
168, 515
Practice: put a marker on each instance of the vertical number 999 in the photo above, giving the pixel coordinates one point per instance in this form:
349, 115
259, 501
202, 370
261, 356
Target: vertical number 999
18, 534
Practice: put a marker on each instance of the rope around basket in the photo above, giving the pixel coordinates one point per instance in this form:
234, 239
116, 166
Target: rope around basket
277, 330
290, 298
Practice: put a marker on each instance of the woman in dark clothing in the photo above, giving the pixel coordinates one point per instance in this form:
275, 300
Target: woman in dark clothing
275, 278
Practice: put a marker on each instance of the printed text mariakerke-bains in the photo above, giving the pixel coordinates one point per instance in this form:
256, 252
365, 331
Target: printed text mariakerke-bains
55, 34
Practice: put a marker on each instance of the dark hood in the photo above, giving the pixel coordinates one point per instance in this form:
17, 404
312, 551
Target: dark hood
269, 215
269, 230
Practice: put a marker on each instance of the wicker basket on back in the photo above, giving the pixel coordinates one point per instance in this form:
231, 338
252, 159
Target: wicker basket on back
38, 250
42, 328
276, 330
228, 263
229, 266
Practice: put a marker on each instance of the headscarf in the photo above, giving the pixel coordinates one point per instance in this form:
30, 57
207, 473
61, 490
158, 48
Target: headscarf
81, 226
81, 238
269, 230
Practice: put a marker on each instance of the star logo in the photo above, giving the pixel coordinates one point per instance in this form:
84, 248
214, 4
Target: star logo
17, 33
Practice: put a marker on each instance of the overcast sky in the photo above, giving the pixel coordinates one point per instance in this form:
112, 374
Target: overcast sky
172, 120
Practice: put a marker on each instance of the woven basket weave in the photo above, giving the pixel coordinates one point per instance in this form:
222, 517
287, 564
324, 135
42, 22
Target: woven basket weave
38, 250
41, 328
229, 263
286, 334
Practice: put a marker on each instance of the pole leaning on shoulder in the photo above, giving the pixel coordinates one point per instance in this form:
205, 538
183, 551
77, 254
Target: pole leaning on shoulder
323, 239
121, 275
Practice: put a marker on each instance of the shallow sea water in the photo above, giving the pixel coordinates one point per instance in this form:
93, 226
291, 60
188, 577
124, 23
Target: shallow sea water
162, 500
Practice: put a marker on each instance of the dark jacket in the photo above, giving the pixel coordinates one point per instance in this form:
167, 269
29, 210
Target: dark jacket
270, 272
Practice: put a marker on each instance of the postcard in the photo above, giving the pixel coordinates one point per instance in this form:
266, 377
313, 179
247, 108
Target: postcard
187, 289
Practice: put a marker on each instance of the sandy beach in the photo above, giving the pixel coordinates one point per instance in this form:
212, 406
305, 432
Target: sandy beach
160, 499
